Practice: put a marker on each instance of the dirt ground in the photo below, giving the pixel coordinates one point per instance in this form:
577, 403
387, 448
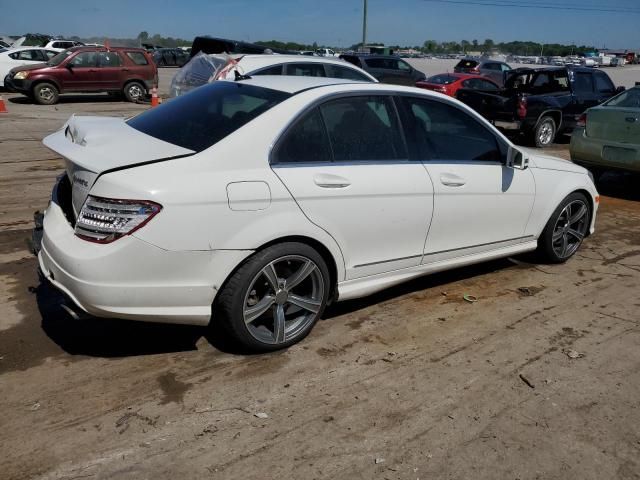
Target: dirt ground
411, 383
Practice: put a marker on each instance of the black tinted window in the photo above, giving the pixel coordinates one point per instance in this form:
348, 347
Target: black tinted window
351, 59
443, 132
138, 58
275, 70
583, 82
363, 128
443, 79
109, 59
466, 64
305, 69
206, 115
479, 84
337, 71
306, 141
603, 83
378, 63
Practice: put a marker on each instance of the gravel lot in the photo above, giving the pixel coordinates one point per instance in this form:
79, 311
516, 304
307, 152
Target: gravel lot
410, 383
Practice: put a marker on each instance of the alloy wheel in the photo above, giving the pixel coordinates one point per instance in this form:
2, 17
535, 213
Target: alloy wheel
46, 93
570, 228
135, 91
283, 299
545, 134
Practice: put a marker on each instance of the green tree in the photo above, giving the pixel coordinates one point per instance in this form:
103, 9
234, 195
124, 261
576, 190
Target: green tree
475, 44
143, 36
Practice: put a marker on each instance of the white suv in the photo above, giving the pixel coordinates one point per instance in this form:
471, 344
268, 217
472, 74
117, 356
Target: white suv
61, 45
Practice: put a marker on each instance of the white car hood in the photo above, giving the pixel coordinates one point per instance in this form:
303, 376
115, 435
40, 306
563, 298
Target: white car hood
94, 145
551, 163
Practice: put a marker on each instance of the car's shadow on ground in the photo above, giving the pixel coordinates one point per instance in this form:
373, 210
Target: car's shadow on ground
86, 98
622, 185
103, 337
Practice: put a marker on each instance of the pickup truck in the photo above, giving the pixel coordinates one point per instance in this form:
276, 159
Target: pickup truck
539, 103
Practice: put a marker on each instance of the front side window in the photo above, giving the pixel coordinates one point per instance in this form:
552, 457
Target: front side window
443, 132
275, 70
84, 59
305, 142
207, 114
363, 129
109, 59
305, 69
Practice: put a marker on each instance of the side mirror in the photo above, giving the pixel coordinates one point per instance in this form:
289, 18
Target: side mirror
69, 66
620, 89
517, 159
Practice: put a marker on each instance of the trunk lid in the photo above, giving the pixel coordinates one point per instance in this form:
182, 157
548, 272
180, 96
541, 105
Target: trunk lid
614, 124
92, 146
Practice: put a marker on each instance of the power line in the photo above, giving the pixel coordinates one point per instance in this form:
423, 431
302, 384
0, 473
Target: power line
513, 4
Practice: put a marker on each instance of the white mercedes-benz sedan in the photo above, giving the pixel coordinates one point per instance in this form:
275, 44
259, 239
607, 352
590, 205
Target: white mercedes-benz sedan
254, 203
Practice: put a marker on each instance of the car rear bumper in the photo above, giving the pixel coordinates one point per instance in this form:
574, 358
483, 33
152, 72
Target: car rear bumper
130, 278
605, 154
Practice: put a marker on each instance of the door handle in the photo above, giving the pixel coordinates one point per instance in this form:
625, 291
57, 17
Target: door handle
452, 180
126, 70
327, 180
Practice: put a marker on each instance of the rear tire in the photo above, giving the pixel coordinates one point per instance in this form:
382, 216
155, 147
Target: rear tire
565, 230
134, 91
545, 132
275, 298
46, 93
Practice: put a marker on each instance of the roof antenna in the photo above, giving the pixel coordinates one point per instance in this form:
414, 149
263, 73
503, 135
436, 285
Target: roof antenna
240, 76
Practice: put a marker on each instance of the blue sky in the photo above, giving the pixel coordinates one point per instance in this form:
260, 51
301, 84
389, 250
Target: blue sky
333, 22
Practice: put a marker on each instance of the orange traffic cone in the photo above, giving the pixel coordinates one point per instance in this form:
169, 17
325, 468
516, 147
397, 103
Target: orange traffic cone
154, 97
3, 108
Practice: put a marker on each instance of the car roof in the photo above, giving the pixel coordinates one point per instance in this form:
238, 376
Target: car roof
268, 59
81, 48
295, 85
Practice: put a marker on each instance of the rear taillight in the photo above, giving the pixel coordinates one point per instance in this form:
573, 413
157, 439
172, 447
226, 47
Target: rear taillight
582, 121
104, 220
522, 107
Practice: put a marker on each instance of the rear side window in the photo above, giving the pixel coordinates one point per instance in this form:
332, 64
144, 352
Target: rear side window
603, 83
207, 114
583, 82
337, 71
363, 129
466, 64
378, 63
138, 58
305, 142
109, 59
443, 132
33, 55
351, 59
305, 69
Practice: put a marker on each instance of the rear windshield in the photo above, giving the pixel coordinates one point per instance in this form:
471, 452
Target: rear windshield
467, 64
443, 79
627, 99
206, 115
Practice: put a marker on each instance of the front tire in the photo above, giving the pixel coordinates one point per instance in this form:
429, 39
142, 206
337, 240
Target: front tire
275, 298
565, 230
46, 93
545, 132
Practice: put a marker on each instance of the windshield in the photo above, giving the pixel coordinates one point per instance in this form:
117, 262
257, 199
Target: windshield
627, 99
58, 59
443, 79
206, 115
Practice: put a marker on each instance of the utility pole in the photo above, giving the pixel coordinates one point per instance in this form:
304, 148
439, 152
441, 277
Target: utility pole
364, 26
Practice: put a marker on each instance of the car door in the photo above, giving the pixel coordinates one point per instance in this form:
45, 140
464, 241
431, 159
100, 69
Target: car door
81, 72
346, 165
479, 203
111, 71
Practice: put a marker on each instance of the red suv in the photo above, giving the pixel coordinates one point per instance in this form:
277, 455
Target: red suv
130, 71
